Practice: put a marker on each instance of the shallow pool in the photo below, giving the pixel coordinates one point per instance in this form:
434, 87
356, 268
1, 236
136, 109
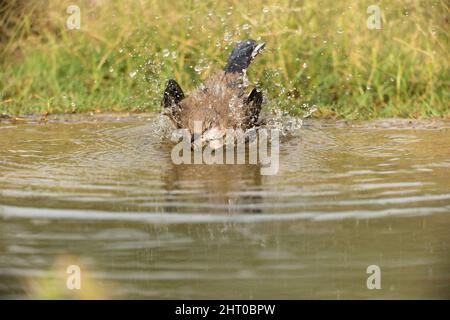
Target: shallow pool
105, 195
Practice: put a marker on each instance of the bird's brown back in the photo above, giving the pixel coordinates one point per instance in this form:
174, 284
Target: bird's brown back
219, 102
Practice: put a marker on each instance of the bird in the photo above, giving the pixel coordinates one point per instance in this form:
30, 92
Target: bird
221, 101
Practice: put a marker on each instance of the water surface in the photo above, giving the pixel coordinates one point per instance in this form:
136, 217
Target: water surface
106, 196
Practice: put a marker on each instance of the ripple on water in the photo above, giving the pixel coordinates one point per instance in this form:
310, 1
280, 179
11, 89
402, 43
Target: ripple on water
108, 195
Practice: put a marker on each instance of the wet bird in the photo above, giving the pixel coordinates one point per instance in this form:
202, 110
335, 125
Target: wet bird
221, 102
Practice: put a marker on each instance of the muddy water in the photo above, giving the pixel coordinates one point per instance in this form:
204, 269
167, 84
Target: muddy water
105, 196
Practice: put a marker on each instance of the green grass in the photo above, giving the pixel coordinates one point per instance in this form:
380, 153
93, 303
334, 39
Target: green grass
319, 53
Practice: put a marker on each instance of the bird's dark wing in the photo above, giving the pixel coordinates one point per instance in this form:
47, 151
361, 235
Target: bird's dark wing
254, 102
173, 94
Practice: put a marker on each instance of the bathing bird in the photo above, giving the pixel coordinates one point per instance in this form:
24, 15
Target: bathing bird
221, 102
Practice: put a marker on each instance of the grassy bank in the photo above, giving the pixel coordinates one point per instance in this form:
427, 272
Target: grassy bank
319, 53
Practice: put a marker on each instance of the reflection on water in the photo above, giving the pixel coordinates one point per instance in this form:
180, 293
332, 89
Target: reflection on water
107, 195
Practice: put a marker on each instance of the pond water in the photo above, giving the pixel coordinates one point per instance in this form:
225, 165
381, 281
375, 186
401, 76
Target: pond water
105, 196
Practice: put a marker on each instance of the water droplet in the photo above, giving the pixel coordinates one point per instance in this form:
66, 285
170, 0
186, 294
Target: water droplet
433, 30
198, 69
227, 36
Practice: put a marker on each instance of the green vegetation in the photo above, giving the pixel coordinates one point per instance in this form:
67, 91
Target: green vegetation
318, 53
